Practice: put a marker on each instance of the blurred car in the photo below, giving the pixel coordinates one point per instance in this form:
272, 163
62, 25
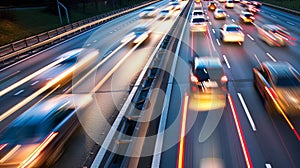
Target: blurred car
247, 17
279, 85
208, 82
236, 1
175, 5
138, 34
256, 4
197, 6
222, 1
73, 64
148, 12
232, 33
252, 9
229, 4
37, 137
220, 14
198, 24
165, 13
198, 13
212, 6
274, 35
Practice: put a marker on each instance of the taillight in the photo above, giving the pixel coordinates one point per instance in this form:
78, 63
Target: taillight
271, 93
3, 146
224, 79
194, 79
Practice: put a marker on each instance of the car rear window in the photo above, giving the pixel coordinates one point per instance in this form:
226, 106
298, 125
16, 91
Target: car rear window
233, 29
197, 20
205, 74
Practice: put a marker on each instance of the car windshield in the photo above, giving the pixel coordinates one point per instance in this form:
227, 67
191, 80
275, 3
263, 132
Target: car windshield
164, 11
149, 9
221, 11
247, 15
233, 29
197, 20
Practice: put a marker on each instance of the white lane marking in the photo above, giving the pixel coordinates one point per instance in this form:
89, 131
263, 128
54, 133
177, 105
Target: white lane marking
110, 32
233, 20
88, 45
271, 57
19, 92
207, 17
226, 61
250, 37
210, 23
247, 111
258, 60
35, 83
274, 16
213, 30
290, 23
268, 165
218, 42
95, 41
228, 15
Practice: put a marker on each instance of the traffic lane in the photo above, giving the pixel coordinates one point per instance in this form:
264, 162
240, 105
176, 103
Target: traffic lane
273, 135
109, 100
109, 32
220, 147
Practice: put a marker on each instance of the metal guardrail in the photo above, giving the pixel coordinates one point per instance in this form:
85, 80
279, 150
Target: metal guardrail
17, 48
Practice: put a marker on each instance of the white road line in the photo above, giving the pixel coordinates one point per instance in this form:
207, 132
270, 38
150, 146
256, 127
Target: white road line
207, 17
19, 92
95, 41
228, 15
213, 30
110, 32
268, 165
35, 83
233, 20
226, 61
271, 57
247, 111
250, 37
88, 44
274, 16
210, 23
290, 23
218, 42
258, 60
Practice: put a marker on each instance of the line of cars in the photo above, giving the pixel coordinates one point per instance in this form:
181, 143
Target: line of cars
198, 22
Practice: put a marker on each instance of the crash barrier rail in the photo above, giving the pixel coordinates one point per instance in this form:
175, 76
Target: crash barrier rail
132, 122
282, 8
15, 49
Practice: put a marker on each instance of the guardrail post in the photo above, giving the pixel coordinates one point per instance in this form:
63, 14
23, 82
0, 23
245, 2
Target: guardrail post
12, 47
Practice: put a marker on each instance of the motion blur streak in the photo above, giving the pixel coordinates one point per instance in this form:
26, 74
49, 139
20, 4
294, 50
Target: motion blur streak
241, 136
25, 101
273, 96
2, 146
39, 149
15, 85
180, 158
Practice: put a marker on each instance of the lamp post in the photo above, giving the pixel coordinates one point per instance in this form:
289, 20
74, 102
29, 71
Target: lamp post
66, 11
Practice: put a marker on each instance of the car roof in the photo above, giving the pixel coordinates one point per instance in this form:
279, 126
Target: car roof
280, 68
207, 62
245, 12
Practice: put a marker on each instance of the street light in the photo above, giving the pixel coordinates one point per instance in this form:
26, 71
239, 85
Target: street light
66, 11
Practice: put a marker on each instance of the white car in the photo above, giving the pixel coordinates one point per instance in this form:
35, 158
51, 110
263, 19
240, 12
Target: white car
198, 24
229, 4
148, 12
175, 5
232, 33
220, 14
138, 34
274, 35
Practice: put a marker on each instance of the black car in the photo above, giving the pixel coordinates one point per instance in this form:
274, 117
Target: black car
279, 85
36, 138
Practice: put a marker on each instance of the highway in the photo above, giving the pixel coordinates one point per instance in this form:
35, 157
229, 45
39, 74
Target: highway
236, 131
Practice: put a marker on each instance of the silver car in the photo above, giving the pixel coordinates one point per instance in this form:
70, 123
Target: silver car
274, 35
